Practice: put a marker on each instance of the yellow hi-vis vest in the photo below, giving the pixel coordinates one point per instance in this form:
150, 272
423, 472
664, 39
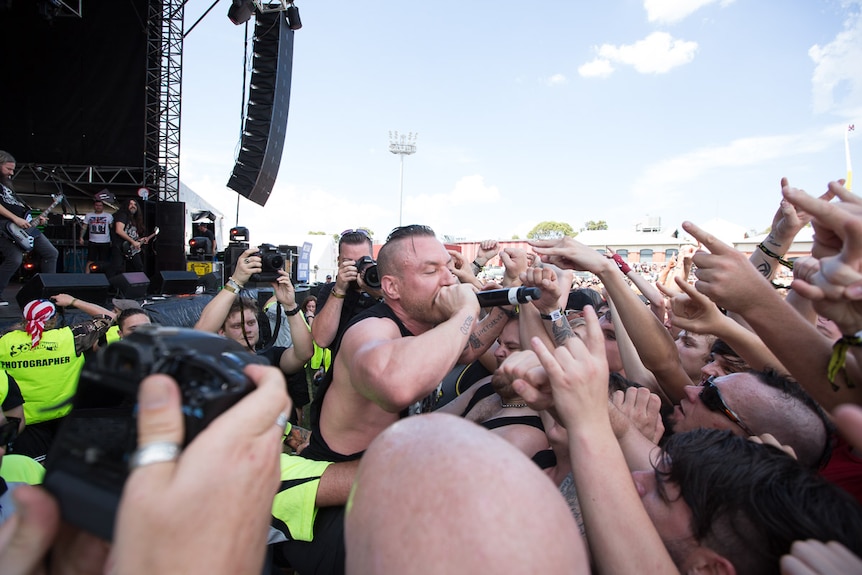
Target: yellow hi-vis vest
46, 374
113, 334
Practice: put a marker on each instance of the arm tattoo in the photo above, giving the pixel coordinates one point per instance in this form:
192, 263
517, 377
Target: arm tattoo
765, 269
562, 331
465, 327
485, 326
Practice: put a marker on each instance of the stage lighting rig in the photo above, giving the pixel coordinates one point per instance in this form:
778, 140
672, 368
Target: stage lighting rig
240, 11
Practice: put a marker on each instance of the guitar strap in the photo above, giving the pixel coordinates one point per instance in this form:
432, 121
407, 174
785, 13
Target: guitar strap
11, 200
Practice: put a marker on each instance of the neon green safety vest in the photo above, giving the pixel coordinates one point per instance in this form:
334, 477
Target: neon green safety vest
47, 374
113, 334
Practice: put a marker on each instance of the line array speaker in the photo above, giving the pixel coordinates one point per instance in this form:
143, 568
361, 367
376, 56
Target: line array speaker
262, 140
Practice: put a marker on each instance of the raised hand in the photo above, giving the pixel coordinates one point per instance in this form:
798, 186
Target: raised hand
691, 310
578, 372
515, 262
285, 293
487, 250
568, 253
834, 281
724, 274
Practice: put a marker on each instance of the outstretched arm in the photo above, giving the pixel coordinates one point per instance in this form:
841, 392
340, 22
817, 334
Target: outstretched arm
622, 537
694, 312
654, 344
727, 278
294, 357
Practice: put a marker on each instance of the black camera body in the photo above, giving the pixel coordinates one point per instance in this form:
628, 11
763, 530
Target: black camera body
367, 268
89, 460
272, 260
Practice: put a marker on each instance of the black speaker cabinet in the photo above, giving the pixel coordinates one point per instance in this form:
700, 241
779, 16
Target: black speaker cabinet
132, 285
88, 287
211, 282
265, 127
174, 282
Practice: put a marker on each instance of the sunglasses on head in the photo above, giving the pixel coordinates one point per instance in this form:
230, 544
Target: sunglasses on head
9, 431
359, 231
711, 398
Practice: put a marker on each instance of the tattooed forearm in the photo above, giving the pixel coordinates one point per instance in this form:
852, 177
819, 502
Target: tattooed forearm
490, 322
490, 325
765, 269
465, 327
561, 331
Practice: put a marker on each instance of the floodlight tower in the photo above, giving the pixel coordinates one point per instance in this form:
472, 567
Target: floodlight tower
403, 145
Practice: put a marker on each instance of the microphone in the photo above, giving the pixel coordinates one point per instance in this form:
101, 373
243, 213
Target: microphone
508, 296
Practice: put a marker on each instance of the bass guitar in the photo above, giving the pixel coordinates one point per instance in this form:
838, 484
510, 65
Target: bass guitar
129, 251
24, 238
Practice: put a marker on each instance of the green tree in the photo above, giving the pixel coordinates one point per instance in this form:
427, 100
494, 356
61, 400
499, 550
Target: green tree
516, 237
593, 225
316, 233
550, 230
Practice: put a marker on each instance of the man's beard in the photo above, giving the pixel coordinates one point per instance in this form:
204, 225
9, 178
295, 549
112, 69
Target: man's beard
422, 311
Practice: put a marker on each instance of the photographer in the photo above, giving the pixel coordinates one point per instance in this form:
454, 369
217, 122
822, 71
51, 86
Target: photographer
164, 525
45, 360
235, 317
339, 302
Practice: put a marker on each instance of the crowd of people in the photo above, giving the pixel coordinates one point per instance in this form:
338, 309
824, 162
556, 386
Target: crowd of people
698, 418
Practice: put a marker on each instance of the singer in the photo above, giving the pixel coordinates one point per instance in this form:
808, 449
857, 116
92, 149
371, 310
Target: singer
392, 356
16, 230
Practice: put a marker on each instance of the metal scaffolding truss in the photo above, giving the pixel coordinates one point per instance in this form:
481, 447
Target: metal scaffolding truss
163, 98
66, 174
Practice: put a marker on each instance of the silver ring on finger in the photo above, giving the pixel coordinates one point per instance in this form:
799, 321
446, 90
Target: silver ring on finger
156, 452
246, 260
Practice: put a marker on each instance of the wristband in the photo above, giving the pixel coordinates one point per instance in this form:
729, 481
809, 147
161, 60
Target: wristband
337, 295
292, 312
232, 286
72, 303
554, 315
839, 356
476, 267
624, 267
786, 263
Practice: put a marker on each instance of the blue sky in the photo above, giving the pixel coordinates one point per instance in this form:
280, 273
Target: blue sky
556, 110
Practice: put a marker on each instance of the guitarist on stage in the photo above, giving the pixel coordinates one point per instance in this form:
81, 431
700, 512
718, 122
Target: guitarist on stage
128, 239
13, 209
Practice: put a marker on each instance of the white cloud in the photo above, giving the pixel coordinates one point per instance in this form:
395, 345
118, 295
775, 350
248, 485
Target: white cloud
672, 11
673, 179
836, 85
598, 68
446, 212
658, 53
556, 80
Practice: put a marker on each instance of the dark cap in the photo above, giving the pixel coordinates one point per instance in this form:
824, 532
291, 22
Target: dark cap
124, 304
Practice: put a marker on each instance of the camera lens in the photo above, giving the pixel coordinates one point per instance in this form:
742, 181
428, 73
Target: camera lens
371, 276
274, 262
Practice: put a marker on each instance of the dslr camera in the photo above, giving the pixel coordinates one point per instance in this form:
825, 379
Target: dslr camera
367, 268
88, 463
271, 260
